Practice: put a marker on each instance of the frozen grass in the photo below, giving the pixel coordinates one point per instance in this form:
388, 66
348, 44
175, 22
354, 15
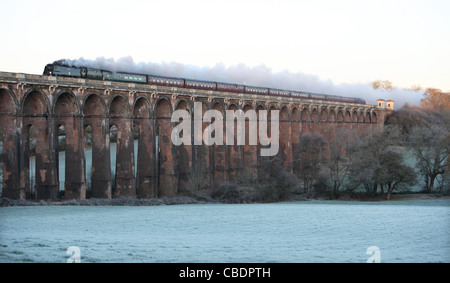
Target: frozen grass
313, 231
103, 202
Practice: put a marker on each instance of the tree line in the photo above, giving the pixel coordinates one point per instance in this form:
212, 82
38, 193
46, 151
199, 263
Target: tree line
411, 150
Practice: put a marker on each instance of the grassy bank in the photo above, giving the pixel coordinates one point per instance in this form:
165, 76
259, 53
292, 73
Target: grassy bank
231, 196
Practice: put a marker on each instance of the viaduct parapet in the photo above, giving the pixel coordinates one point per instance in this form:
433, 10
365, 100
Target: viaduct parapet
35, 110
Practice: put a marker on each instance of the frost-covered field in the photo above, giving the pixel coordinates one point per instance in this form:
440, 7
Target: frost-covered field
404, 231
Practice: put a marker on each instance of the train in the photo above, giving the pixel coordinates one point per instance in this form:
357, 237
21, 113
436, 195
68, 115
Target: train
95, 74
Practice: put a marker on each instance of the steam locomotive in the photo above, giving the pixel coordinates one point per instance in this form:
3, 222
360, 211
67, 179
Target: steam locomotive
94, 74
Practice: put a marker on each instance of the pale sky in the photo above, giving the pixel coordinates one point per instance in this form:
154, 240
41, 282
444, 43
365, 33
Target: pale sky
345, 41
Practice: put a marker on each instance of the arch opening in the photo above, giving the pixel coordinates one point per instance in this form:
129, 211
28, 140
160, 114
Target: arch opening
7, 104
166, 159
61, 156
97, 147
118, 107
93, 106
30, 161
144, 152
113, 130
66, 105
35, 104
88, 148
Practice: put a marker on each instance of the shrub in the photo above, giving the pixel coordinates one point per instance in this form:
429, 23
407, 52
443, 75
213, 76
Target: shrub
228, 193
275, 182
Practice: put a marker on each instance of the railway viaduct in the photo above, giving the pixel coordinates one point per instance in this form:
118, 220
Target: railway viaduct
39, 108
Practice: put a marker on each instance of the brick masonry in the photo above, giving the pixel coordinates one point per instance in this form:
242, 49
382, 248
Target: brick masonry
40, 107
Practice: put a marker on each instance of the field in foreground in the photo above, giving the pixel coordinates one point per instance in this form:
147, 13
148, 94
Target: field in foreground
306, 231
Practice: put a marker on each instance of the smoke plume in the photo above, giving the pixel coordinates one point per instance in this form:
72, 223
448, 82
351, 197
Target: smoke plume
261, 76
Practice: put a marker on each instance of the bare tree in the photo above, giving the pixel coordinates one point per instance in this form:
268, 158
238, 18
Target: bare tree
309, 159
342, 153
435, 99
431, 147
387, 85
377, 165
365, 167
394, 173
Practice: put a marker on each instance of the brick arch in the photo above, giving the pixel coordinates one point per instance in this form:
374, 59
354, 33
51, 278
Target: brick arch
354, 116
304, 115
269, 114
284, 114
340, 116
332, 116
246, 107
374, 117
219, 154
269, 119
295, 135
66, 104
250, 150
340, 119
361, 117
183, 104
120, 117
168, 183
315, 121
361, 121
201, 154
141, 108
94, 105
285, 149
323, 123
8, 155
119, 107
163, 108
141, 112
295, 114
184, 152
94, 112
35, 103
332, 125
261, 106
65, 108
232, 106
305, 120
8, 103
347, 116
35, 110
273, 107
347, 119
145, 166
367, 118
205, 105
235, 154
323, 115
218, 105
